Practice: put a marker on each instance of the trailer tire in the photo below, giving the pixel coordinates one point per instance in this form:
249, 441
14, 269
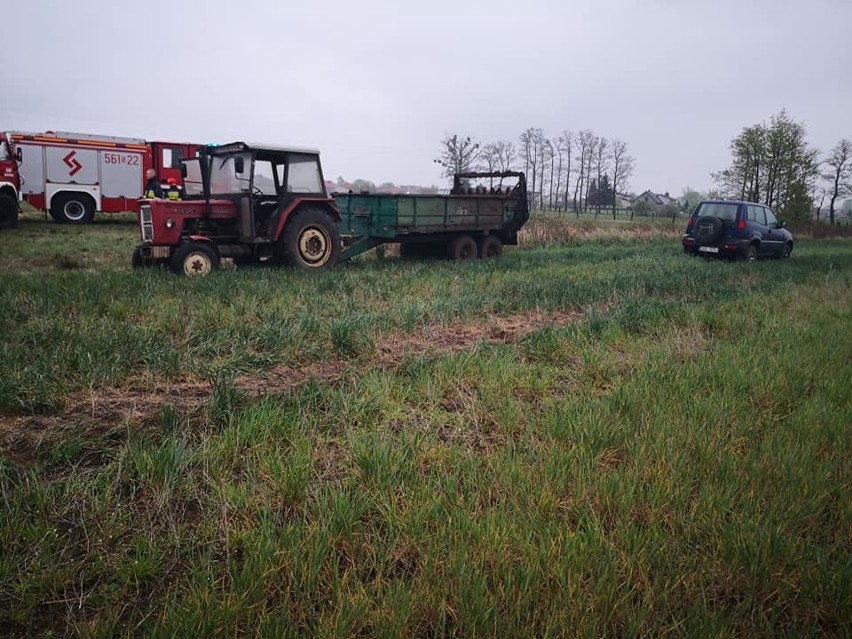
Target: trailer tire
490, 246
194, 259
310, 240
462, 247
72, 208
8, 211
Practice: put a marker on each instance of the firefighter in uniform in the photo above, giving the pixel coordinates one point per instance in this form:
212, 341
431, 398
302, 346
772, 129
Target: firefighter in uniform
174, 190
152, 186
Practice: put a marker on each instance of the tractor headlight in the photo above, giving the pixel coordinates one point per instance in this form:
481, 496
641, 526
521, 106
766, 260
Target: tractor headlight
170, 224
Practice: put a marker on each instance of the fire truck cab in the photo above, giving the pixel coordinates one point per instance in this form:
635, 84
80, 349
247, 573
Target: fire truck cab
247, 202
10, 185
74, 175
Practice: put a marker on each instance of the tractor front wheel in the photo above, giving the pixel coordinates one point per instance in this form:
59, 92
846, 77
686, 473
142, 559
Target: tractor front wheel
194, 259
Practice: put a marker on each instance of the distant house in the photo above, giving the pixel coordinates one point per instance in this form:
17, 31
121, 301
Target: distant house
657, 199
334, 187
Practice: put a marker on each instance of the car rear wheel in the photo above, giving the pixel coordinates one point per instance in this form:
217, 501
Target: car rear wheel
788, 250
751, 253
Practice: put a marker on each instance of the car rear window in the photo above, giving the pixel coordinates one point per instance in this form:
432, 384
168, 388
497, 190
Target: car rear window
726, 212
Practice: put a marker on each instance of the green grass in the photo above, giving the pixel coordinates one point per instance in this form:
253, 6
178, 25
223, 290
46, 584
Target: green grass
675, 461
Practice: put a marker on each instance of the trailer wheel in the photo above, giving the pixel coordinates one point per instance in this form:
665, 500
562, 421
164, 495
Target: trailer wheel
8, 212
72, 208
310, 240
194, 259
490, 246
462, 247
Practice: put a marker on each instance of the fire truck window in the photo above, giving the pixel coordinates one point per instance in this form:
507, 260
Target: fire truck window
172, 157
264, 178
4, 152
304, 175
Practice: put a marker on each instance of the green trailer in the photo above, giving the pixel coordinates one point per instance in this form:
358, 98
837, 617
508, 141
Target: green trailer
482, 213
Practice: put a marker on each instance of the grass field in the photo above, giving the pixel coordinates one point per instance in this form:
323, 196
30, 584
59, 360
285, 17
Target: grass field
595, 435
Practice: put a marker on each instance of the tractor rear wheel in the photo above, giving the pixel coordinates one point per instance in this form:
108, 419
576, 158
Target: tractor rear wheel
310, 240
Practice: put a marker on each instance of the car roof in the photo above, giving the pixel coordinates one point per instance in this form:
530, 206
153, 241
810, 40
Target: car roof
718, 201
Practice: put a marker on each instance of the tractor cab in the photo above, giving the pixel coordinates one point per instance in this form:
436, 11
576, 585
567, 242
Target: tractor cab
262, 181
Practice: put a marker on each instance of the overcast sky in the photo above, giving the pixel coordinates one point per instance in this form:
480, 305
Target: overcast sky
376, 85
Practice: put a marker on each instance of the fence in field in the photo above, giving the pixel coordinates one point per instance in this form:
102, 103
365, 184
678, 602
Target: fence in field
623, 214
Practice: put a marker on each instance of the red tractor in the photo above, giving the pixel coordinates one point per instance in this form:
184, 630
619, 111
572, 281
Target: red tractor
248, 202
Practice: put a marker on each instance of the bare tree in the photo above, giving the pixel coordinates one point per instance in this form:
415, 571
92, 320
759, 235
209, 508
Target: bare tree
622, 169
590, 158
840, 175
822, 193
601, 166
458, 154
565, 145
584, 140
547, 155
559, 157
506, 155
531, 143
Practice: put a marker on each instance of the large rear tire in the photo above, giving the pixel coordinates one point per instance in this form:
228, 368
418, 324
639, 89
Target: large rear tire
462, 247
8, 211
194, 259
310, 240
490, 246
72, 208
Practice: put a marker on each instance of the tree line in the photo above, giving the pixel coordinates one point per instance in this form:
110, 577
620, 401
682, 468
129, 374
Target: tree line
773, 164
580, 171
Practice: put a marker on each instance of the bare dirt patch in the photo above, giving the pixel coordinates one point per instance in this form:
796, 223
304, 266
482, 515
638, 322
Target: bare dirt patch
106, 413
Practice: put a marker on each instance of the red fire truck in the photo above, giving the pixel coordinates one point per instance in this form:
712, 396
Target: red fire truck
73, 175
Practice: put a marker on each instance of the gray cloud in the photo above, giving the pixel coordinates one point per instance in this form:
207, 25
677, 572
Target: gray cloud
375, 85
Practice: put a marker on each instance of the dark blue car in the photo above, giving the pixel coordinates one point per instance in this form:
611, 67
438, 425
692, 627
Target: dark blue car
726, 228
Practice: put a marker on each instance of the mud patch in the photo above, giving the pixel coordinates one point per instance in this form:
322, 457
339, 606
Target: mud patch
106, 413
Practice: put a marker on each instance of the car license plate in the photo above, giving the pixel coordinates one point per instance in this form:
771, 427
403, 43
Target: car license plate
708, 249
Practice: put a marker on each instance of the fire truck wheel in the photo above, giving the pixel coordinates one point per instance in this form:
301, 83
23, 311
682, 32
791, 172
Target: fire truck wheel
72, 208
462, 247
8, 212
310, 240
490, 246
194, 259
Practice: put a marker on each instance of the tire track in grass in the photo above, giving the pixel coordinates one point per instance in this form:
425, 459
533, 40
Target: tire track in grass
108, 412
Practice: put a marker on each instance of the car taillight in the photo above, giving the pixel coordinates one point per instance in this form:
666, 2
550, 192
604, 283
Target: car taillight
741, 225
689, 222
